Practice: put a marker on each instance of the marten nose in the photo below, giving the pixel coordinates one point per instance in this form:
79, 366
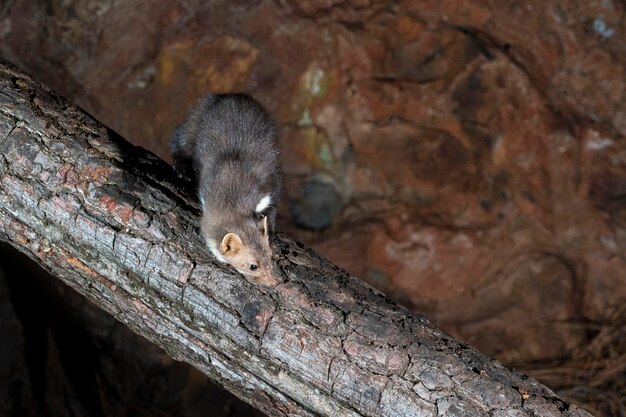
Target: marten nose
267, 279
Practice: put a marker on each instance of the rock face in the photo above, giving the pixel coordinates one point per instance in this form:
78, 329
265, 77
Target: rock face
468, 158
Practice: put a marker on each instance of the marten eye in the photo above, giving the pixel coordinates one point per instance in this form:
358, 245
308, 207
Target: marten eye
253, 267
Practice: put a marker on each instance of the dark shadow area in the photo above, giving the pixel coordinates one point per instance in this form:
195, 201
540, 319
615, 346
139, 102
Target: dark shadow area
62, 356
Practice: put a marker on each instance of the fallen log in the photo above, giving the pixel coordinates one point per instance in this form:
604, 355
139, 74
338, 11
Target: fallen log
113, 222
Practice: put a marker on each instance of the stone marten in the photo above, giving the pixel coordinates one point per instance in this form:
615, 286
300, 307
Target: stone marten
231, 143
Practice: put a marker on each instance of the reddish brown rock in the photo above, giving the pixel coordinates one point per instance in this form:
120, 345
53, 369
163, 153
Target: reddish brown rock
467, 157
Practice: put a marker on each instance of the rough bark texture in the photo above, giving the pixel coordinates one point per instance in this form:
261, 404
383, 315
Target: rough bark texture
63, 356
110, 220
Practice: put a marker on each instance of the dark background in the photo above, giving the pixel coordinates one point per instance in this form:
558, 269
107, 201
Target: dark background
466, 157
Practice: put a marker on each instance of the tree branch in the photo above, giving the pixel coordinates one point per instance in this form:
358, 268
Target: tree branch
113, 222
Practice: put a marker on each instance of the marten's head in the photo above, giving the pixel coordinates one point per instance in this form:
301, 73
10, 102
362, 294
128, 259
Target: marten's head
246, 247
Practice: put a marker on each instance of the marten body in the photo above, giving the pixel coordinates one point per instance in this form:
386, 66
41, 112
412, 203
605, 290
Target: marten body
232, 144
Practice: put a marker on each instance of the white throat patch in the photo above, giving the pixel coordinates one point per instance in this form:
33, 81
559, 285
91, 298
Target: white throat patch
263, 204
214, 250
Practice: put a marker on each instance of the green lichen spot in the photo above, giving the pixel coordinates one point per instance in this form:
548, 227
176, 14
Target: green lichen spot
325, 154
315, 87
315, 148
315, 79
305, 120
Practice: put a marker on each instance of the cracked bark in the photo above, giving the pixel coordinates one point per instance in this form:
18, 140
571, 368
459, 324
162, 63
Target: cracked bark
113, 222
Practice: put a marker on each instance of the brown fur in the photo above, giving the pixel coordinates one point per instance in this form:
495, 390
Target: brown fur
232, 145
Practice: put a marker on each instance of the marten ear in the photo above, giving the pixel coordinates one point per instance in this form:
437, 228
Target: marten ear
231, 244
263, 226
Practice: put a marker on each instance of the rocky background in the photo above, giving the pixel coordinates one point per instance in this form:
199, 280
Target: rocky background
466, 157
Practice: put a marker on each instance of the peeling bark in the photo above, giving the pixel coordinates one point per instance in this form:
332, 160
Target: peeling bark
113, 222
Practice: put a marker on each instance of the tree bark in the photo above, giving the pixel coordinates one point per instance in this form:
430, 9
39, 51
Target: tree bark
113, 222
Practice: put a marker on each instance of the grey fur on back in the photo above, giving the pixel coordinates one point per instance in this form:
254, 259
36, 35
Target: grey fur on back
232, 143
